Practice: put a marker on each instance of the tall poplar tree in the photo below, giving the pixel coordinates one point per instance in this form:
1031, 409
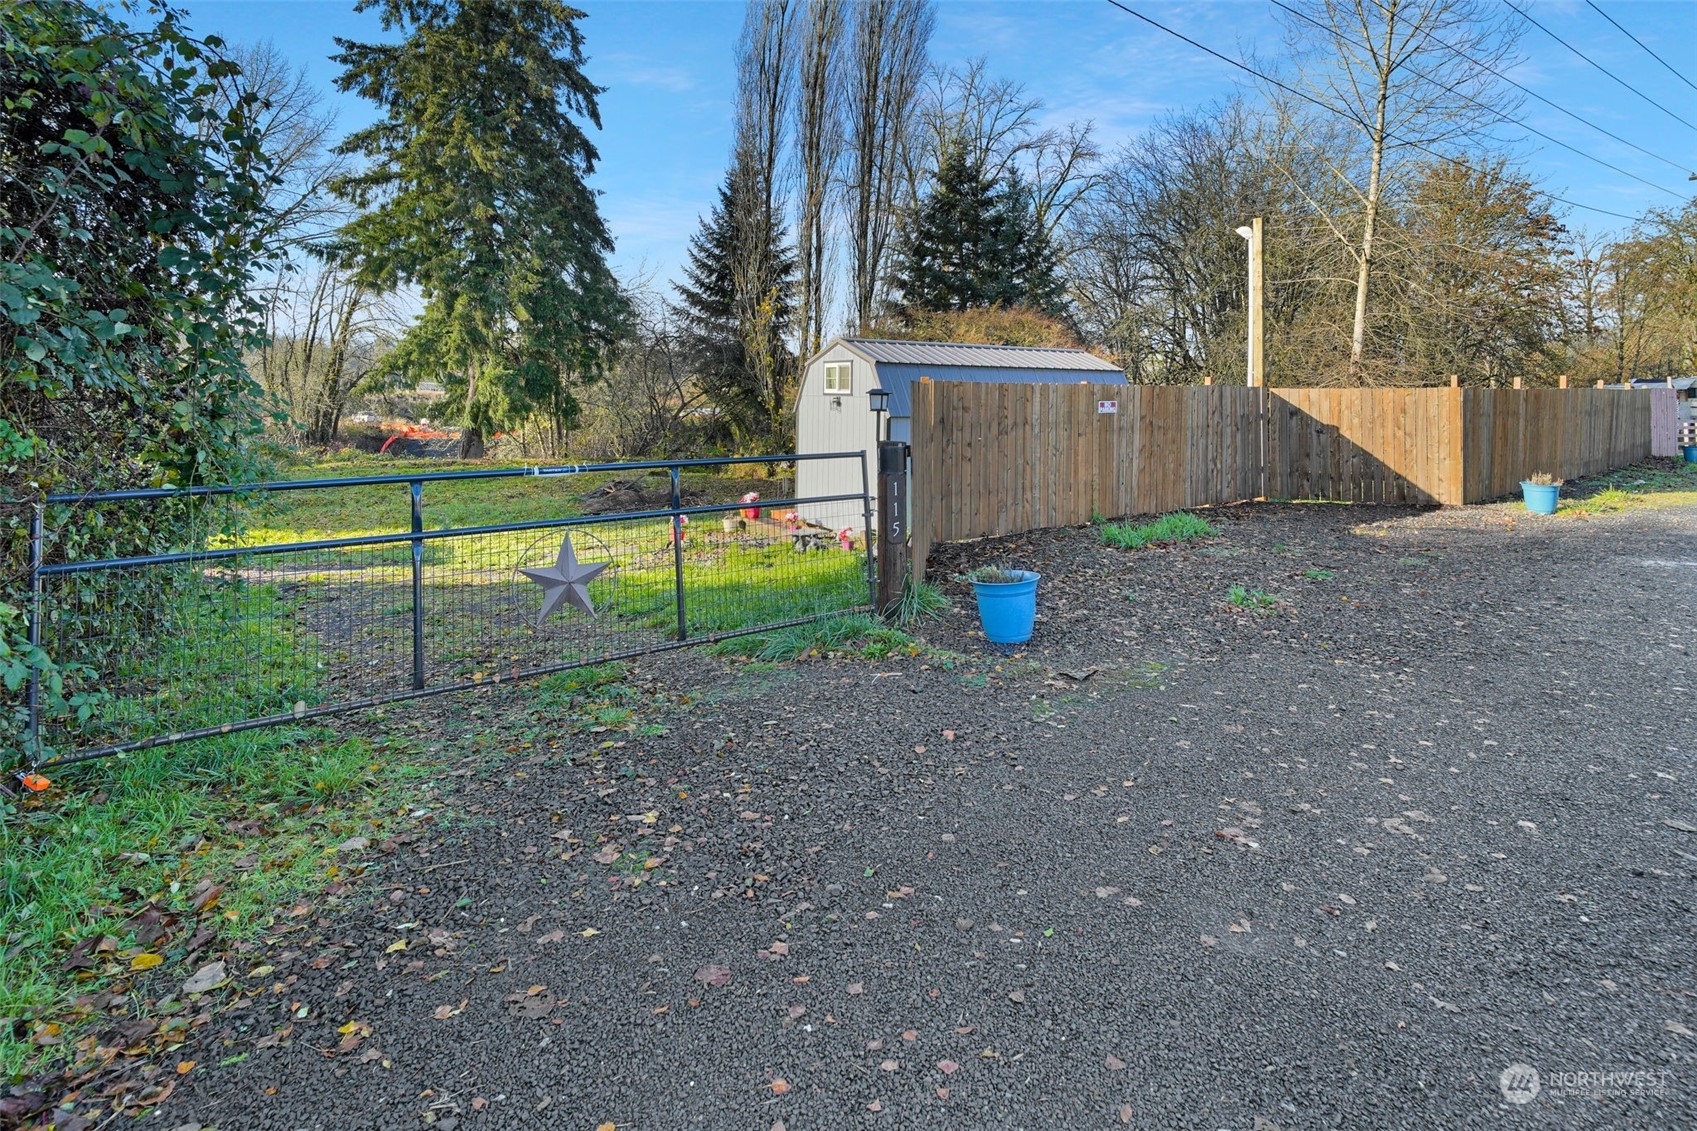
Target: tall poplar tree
474, 191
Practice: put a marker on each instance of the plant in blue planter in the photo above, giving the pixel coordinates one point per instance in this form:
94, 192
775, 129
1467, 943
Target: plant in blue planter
1541, 491
1007, 602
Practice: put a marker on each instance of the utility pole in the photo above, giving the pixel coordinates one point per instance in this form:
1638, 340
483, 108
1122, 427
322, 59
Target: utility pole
1257, 303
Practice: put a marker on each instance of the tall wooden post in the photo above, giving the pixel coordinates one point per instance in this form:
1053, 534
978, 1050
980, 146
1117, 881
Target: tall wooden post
892, 524
1257, 368
1563, 381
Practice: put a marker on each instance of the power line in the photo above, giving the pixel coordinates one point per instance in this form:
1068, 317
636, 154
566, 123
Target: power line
1642, 44
1528, 18
1504, 117
1530, 93
1324, 106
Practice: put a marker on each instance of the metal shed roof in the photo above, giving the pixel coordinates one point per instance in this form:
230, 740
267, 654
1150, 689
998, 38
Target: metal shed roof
900, 363
976, 356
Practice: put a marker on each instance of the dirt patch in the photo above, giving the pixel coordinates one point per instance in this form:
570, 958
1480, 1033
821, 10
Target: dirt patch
630, 496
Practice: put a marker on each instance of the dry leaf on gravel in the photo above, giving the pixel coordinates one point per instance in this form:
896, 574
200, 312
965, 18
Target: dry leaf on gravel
443, 1012
947, 1067
714, 975
1114, 1064
208, 977
855, 988
1676, 1027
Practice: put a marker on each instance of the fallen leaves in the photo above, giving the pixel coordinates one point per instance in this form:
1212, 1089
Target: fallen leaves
532, 1004
147, 960
1114, 1063
443, 1012
1238, 837
208, 977
855, 989
1676, 1027
779, 1086
947, 1067
713, 975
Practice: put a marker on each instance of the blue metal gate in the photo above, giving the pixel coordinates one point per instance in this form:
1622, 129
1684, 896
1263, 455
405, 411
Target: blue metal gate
231, 632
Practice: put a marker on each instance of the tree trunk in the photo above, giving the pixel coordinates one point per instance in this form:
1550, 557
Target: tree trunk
1375, 188
471, 436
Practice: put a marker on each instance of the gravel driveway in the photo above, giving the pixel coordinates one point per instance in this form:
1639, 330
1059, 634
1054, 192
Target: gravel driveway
1336, 863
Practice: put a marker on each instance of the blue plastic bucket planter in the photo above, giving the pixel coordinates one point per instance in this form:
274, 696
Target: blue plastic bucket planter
1540, 497
1008, 609
1689, 451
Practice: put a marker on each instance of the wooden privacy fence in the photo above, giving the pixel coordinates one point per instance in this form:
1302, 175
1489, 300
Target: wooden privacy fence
1001, 458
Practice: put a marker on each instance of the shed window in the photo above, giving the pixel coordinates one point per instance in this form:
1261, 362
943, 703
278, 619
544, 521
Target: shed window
837, 377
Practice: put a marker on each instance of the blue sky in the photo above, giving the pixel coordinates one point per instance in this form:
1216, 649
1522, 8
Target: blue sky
668, 69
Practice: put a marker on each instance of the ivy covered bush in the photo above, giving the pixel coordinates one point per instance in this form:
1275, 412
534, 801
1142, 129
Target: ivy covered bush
132, 221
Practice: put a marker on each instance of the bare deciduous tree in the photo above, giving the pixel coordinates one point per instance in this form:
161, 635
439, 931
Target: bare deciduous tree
760, 265
1413, 78
322, 339
886, 64
818, 148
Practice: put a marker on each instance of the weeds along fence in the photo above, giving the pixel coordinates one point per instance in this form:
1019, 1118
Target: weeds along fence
339, 594
991, 459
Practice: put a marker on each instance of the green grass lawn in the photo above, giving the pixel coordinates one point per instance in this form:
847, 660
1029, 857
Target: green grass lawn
1627, 488
347, 512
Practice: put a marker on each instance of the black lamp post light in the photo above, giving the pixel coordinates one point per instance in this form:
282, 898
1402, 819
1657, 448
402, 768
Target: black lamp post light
880, 399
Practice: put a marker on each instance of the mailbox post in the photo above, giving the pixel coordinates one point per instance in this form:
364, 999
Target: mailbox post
892, 524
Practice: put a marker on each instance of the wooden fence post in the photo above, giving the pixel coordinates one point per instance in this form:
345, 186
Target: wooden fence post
1563, 380
1517, 382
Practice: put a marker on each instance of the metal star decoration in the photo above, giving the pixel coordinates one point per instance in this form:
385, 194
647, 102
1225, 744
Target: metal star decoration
568, 581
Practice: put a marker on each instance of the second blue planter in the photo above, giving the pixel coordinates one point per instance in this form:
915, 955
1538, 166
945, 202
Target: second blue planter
1008, 609
1541, 497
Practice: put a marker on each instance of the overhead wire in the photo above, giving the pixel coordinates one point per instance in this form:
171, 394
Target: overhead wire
1587, 123
1204, 48
1642, 44
1531, 20
1505, 117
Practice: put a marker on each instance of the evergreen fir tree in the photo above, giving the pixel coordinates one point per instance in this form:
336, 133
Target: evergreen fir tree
738, 299
973, 243
474, 191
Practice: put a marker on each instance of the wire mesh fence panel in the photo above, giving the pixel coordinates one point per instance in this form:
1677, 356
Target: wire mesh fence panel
294, 600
